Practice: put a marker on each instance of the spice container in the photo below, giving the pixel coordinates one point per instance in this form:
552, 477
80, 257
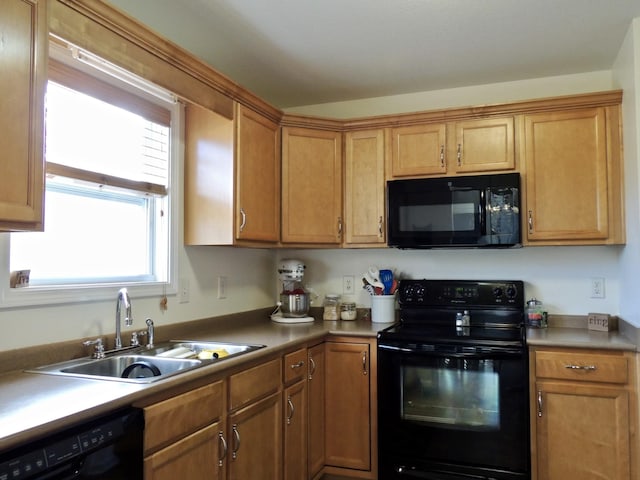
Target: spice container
331, 307
348, 311
536, 317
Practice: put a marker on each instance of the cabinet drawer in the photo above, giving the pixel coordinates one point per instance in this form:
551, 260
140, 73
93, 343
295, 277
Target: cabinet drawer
176, 417
584, 366
295, 365
253, 383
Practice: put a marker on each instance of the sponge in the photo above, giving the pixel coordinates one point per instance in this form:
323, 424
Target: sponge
209, 354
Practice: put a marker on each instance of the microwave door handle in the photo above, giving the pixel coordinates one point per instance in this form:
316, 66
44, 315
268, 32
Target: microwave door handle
483, 205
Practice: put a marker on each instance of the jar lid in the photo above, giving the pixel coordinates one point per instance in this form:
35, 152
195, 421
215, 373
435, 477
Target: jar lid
349, 304
332, 295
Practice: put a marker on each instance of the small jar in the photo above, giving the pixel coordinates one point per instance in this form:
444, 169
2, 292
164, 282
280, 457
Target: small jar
348, 311
535, 315
331, 307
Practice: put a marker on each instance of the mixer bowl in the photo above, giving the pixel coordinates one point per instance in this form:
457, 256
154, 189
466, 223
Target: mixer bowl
294, 305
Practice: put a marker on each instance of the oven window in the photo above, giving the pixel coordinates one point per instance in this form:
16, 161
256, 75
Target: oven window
455, 392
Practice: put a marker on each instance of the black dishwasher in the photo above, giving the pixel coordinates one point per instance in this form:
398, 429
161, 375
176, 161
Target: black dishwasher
105, 448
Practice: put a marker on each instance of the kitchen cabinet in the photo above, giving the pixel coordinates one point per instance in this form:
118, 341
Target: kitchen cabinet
572, 168
351, 409
316, 402
25, 44
584, 412
311, 186
295, 414
465, 146
255, 422
227, 205
184, 435
257, 177
364, 188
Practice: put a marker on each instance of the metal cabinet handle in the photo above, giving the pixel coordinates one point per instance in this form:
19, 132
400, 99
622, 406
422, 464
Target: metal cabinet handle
244, 219
292, 410
539, 403
222, 449
380, 227
442, 156
364, 363
530, 221
312, 370
298, 365
459, 154
236, 442
339, 226
581, 367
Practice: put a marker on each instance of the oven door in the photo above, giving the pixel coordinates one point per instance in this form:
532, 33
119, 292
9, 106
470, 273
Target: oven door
444, 410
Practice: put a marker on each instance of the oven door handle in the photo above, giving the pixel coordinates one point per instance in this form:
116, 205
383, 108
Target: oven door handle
490, 352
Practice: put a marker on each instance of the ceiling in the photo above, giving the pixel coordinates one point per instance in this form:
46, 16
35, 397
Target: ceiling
306, 52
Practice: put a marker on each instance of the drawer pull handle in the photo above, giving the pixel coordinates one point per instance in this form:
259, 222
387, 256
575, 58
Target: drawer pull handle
312, 363
223, 449
539, 403
297, 365
236, 442
581, 367
292, 410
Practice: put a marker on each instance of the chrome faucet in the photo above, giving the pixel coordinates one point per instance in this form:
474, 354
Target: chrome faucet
123, 298
150, 333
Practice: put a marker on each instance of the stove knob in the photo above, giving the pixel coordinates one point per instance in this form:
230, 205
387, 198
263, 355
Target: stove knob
497, 292
512, 291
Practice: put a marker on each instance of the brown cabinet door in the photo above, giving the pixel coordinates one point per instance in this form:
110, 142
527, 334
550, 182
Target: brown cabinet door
23, 52
418, 150
311, 186
364, 213
566, 176
295, 431
317, 398
484, 145
582, 432
255, 440
257, 177
195, 456
348, 406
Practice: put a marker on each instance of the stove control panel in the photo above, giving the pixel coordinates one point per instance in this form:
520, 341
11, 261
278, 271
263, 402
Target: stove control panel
461, 292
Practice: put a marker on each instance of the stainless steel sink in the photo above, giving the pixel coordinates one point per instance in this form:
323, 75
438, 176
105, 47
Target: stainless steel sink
145, 365
214, 351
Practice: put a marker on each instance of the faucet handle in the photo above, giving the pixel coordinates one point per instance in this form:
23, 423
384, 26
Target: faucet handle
98, 349
135, 337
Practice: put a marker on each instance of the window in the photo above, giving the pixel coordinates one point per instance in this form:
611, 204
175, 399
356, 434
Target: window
108, 143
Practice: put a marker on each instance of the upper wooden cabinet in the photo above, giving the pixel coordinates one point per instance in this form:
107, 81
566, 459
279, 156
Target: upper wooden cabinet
419, 150
311, 186
467, 146
232, 178
573, 183
257, 177
483, 145
23, 53
364, 188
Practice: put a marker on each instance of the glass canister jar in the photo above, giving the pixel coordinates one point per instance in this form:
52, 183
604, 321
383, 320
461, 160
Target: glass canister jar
348, 311
331, 307
535, 315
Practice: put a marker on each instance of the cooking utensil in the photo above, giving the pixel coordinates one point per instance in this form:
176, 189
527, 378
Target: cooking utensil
369, 288
386, 277
373, 279
295, 305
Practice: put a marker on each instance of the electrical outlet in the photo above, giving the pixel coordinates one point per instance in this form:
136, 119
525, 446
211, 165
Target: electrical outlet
597, 287
184, 290
348, 288
222, 287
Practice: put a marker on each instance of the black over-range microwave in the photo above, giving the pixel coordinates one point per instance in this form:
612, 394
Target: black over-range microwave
471, 211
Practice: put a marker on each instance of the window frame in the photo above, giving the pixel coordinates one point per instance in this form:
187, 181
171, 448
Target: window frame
77, 293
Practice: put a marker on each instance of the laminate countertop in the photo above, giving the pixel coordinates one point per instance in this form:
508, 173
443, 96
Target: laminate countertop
33, 405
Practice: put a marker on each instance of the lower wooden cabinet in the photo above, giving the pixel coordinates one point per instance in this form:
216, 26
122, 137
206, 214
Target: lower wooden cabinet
583, 415
316, 405
195, 456
351, 409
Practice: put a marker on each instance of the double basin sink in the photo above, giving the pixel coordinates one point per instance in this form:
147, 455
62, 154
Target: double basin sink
145, 365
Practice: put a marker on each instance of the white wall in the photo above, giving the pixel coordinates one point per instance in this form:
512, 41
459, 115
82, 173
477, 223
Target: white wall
558, 276
626, 73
